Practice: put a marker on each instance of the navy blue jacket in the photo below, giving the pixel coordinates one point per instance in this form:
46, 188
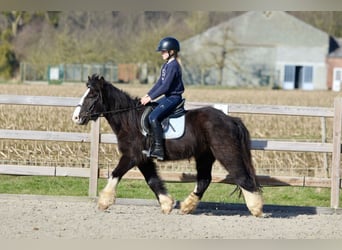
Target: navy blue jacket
170, 81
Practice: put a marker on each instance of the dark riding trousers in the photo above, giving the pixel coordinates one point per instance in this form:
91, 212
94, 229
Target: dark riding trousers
165, 106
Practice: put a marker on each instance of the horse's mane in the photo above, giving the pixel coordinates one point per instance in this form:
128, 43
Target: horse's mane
118, 101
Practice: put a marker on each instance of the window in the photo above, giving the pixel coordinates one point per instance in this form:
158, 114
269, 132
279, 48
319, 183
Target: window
338, 75
289, 73
308, 74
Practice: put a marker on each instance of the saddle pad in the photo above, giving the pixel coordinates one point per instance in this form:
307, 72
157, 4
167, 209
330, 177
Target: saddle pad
174, 128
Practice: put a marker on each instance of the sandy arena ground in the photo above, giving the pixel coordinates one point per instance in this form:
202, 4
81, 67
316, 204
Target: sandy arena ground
46, 217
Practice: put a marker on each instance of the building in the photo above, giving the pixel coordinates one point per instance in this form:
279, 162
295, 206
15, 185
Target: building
334, 69
259, 48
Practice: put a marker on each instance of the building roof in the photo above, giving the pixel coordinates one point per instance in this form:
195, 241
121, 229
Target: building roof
266, 28
337, 43
257, 29
276, 27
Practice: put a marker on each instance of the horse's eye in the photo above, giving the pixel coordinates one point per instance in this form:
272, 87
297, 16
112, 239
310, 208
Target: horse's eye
92, 94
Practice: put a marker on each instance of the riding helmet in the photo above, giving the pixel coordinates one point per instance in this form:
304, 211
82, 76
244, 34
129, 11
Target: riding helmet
168, 43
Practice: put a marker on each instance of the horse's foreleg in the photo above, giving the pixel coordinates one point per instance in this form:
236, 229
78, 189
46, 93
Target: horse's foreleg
203, 166
148, 169
108, 194
166, 203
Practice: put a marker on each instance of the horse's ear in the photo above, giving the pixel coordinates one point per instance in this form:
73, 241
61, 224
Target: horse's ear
102, 81
88, 82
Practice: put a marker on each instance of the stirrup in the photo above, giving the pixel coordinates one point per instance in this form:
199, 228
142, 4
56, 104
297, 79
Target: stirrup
147, 152
157, 152
150, 153
159, 157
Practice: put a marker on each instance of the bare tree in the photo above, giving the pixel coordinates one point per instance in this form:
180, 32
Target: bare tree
222, 50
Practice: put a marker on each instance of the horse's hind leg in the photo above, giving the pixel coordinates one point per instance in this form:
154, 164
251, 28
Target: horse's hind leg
148, 169
204, 166
242, 172
246, 182
254, 202
250, 190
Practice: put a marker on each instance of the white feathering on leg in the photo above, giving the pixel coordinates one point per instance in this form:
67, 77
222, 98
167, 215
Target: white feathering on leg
254, 202
166, 203
190, 203
108, 194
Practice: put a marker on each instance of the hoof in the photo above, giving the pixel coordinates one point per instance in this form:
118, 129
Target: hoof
166, 203
257, 212
189, 205
106, 199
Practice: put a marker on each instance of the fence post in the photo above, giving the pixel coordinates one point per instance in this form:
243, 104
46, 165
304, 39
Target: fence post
94, 158
324, 140
223, 107
336, 155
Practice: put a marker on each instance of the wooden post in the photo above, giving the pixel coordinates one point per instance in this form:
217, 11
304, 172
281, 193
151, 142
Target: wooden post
324, 140
336, 155
94, 158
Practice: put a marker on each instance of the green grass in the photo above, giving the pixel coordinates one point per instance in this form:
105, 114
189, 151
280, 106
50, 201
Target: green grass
72, 186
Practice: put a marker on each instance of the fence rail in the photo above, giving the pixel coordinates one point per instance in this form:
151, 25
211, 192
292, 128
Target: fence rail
94, 137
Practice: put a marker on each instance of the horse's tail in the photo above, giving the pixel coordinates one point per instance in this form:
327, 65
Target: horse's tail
245, 143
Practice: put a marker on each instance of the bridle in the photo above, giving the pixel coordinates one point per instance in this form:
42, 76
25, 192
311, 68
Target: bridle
101, 114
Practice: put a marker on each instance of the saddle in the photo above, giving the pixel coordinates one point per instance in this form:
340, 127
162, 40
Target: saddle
173, 126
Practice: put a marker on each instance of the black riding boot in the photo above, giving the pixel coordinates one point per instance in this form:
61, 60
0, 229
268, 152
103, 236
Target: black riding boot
157, 148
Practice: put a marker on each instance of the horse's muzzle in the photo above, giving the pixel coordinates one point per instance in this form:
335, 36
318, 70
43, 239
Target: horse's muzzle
77, 118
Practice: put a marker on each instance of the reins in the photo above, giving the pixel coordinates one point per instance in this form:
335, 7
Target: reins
101, 114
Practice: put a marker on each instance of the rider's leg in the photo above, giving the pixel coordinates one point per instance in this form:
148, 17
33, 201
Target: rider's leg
157, 150
165, 106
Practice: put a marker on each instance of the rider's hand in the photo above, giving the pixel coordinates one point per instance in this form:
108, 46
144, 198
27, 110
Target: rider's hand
145, 99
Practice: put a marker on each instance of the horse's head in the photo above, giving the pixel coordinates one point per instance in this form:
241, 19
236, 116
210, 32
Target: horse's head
90, 106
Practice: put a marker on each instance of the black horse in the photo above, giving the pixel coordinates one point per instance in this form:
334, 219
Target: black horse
209, 135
